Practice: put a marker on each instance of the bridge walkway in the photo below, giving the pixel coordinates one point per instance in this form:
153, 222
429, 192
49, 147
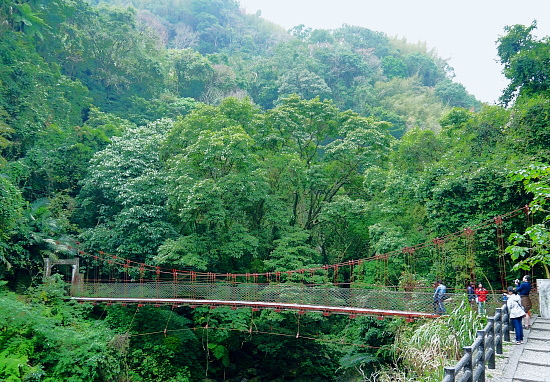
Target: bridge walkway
529, 362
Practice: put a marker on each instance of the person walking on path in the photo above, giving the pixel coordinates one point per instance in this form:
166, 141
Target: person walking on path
439, 297
481, 296
523, 290
515, 309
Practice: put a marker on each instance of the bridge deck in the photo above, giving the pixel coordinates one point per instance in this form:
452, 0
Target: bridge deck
258, 305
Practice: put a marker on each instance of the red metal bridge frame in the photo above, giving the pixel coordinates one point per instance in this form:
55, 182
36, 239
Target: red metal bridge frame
325, 310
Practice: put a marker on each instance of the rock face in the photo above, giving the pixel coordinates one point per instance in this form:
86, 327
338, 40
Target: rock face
543, 286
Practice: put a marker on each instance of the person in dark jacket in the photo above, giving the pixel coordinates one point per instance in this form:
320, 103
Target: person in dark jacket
471, 290
523, 290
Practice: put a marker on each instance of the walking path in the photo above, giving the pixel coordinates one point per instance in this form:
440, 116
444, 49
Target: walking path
529, 362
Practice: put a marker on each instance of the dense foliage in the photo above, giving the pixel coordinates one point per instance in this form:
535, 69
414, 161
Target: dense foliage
189, 134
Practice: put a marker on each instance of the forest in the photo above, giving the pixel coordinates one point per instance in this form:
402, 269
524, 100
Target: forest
189, 134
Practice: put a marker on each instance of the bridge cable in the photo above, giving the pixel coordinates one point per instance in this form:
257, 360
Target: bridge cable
501, 251
104, 311
207, 351
469, 238
251, 322
168, 321
132, 322
341, 342
529, 223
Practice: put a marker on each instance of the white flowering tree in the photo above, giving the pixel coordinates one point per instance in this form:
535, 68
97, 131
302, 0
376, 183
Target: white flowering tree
123, 198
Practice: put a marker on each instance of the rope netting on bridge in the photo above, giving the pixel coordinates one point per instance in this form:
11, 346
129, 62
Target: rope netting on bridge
334, 288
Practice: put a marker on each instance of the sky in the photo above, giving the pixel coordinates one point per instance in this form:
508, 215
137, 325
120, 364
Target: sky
462, 32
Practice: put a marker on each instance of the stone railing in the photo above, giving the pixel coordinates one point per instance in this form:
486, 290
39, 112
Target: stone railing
482, 352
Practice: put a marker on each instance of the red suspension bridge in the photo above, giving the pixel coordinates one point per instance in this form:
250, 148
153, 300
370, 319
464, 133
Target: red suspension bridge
328, 289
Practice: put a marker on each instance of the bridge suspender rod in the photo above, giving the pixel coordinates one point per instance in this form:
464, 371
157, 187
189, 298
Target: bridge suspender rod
500, 246
115, 262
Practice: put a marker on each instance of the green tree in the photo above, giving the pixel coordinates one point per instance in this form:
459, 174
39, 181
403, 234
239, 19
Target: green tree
5, 132
455, 95
157, 343
407, 100
430, 70
324, 153
524, 59
259, 77
49, 339
104, 49
416, 150
43, 230
532, 247
33, 95
243, 335
25, 19
364, 39
303, 83
11, 207
528, 131
394, 67
214, 21
192, 73
217, 189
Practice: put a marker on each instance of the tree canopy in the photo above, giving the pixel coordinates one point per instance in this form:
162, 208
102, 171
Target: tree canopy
189, 134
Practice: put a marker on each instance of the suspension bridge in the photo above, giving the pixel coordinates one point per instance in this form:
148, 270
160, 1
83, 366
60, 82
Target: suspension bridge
328, 289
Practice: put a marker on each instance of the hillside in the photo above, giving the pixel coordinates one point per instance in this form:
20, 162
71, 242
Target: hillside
189, 134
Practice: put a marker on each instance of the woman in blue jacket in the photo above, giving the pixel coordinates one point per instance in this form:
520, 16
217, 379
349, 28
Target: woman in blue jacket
523, 290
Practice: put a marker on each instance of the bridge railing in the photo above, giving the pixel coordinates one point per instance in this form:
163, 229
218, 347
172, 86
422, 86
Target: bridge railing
482, 352
364, 298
